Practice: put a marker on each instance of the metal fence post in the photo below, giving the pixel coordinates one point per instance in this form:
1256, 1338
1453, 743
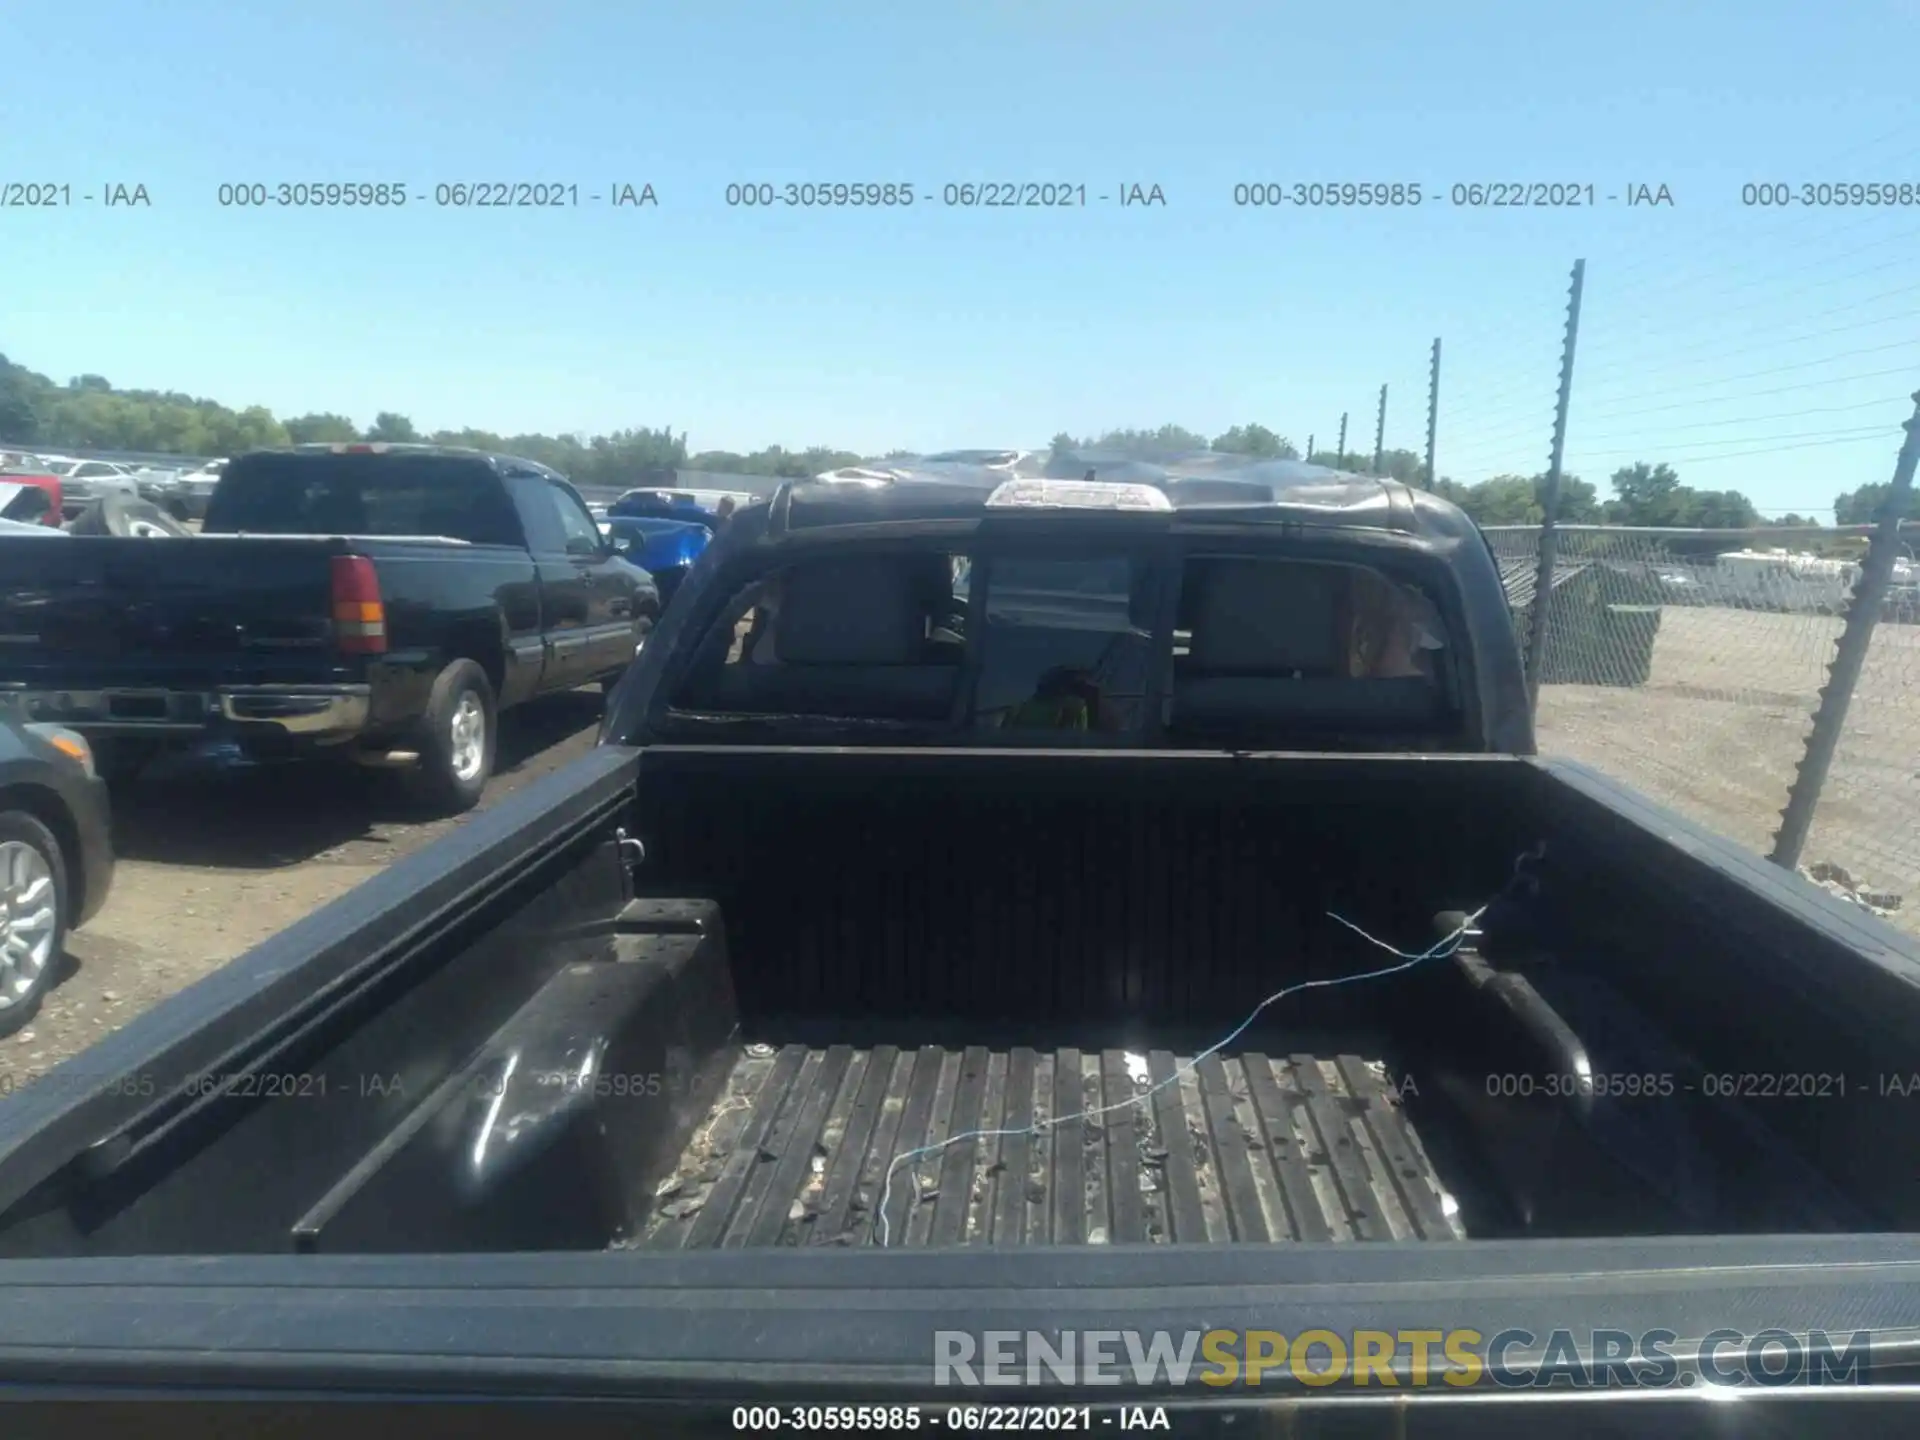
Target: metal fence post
1341, 462
1850, 655
1380, 430
1550, 502
1433, 408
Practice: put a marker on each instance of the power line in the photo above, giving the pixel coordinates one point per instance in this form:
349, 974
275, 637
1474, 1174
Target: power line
1750, 395
1876, 435
1751, 238
1626, 321
1851, 432
1637, 263
1798, 268
1755, 332
1887, 403
1488, 439
1747, 341
1908, 344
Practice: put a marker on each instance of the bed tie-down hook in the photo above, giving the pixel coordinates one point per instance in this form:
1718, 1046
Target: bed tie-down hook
632, 848
1525, 878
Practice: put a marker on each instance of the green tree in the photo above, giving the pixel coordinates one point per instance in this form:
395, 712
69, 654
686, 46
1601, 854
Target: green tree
321, 428
1164, 443
1402, 465
1719, 510
392, 428
1862, 506
1505, 500
775, 460
1256, 441
1653, 495
1579, 500
1647, 495
1521, 500
20, 402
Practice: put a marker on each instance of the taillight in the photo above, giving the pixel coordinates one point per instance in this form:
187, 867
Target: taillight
359, 617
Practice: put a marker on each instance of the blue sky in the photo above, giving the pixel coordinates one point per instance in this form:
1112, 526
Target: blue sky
1767, 350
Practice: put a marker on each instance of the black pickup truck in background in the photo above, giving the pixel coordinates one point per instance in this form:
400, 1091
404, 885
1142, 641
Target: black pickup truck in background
964, 925
384, 602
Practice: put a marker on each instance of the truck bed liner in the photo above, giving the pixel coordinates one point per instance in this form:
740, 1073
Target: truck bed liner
1244, 1147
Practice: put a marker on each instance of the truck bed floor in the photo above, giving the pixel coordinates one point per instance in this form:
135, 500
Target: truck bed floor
1237, 1148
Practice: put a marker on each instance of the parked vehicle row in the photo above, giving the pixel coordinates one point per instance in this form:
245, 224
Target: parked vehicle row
182, 491
365, 602
183, 494
1783, 582
84, 481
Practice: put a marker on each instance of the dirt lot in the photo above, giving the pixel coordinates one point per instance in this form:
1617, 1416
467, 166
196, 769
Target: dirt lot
1720, 728
212, 866
209, 869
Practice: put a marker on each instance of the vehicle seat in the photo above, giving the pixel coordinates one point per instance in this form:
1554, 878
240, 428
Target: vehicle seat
1268, 649
850, 640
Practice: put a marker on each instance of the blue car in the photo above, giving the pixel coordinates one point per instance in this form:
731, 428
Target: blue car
661, 531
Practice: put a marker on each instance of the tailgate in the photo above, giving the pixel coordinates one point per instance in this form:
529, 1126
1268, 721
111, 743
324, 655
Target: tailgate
93, 611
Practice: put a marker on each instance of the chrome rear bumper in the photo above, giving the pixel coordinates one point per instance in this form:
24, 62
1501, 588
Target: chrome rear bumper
320, 713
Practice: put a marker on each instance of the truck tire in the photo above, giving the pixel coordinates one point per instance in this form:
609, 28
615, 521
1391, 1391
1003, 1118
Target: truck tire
458, 740
127, 515
33, 915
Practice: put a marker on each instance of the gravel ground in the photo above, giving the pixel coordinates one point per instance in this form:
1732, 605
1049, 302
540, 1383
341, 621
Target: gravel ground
212, 866
1719, 730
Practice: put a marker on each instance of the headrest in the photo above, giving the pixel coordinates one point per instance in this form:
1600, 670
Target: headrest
338, 511
1263, 616
868, 611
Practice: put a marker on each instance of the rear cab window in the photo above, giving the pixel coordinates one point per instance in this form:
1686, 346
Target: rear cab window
1102, 648
362, 494
1291, 653
1066, 647
866, 641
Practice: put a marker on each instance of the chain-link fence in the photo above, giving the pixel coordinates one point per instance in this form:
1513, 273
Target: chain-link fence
1689, 664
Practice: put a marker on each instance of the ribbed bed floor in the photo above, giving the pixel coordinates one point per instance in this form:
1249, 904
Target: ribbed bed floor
1238, 1148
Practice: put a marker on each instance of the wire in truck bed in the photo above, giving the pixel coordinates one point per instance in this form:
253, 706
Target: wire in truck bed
1236, 1148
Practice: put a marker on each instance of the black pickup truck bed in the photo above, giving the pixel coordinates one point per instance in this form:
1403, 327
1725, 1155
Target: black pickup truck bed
712, 1033
1154, 1148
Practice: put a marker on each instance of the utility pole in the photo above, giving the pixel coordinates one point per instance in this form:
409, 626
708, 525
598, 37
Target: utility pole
1309, 449
1341, 462
1380, 430
1550, 502
1433, 408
